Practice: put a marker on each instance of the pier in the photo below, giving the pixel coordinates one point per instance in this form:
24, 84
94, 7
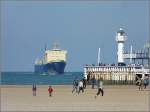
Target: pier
116, 74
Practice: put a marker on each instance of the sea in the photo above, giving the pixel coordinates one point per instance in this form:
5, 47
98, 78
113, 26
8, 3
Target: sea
29, 78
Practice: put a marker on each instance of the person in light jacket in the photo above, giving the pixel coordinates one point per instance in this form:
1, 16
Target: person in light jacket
100, 87
80, 85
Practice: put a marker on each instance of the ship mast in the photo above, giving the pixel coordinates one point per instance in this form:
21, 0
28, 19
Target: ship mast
98, 60
56, 46
45, 47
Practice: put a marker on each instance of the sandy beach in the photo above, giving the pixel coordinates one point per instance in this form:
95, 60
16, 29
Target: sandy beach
116, 98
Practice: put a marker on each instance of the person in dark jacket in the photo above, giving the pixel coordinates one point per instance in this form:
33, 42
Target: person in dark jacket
93, 81
34, 89
75, 85
84, 82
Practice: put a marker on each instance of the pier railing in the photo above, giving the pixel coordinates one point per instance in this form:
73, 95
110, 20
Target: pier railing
121, 75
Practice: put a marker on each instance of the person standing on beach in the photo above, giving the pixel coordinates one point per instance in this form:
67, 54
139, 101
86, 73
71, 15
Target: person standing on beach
34, 89
75, 85
50, 90
80, 85
100, 87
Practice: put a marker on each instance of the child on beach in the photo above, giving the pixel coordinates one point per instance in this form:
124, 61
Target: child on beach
50, 90
34, 89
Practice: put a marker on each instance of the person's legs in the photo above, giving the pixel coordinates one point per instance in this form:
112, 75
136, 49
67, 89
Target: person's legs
79, 90
102, 91
76, 88
98, 92
139, 87
85, 85
73, 89
144, 86
82, 89
34, 93
92, 86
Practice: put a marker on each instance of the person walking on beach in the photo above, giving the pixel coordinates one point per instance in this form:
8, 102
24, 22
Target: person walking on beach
84, 82
100, 87
93, 82
80, 85
88, 78
140, 83
34, 89
146, 81
75, 85
50, 90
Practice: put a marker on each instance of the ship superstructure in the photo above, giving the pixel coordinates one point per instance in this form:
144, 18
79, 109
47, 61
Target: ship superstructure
54, 61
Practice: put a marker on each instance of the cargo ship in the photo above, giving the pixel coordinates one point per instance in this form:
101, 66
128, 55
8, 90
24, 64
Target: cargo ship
54, 61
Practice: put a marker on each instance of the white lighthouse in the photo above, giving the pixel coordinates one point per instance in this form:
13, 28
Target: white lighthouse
120, 38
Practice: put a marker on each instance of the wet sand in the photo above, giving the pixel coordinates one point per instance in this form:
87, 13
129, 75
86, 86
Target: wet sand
116, 98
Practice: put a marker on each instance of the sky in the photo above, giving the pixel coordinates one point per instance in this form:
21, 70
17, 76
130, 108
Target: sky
80, 27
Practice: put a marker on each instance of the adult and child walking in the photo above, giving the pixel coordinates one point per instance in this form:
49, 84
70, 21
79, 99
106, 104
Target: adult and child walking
79, 85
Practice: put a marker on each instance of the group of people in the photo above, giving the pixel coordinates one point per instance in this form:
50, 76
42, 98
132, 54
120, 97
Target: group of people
34, 89
142, 82
80, 85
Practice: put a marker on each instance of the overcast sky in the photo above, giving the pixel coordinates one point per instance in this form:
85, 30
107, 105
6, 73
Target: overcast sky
80, 28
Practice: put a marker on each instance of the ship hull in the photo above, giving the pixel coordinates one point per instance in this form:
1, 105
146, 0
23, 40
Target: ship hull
53, 67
